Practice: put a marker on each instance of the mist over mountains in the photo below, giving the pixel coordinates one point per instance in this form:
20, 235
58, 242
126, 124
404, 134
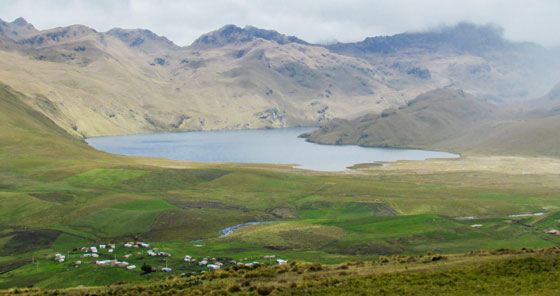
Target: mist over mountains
128, 81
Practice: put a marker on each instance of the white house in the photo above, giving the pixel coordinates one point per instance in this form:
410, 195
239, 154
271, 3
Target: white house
166, 269
269, 257
131, 267
213, 266
281, 262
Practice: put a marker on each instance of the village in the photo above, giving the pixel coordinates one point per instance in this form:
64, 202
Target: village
131, 254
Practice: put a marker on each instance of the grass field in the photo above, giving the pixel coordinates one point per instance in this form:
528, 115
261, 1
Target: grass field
58, 195
507, 272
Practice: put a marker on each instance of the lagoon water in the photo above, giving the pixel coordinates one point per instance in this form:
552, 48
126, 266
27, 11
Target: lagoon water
281, 146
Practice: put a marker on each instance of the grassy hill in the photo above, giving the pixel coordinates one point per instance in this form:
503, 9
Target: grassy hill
504, 272
58, 195
432, 117
450, 120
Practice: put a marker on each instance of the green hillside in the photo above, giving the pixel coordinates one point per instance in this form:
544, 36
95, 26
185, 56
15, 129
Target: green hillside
504, 272
58, 195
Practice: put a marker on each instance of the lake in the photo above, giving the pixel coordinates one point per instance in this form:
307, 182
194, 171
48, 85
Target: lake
279, 146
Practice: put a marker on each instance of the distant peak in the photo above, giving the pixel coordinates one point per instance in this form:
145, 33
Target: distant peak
20, 22
232, 34
464, 36
142, 38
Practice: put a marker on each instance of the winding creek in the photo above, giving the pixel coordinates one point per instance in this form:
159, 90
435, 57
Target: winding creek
229, 230
278, 146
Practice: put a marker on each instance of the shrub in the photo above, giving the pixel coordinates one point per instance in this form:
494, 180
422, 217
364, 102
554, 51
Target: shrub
234, 288
315, 267
146, 268
265, 290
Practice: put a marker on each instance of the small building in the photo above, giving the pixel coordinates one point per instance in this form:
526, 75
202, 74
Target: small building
166, 269
203, 262
127, 256
188, 258
130, 267
78, 263
110, 250
281, 262
251, 264
93, 249
94, 255
103, 262
102, 246
128, 245
213, 266
59, 257
112, 246
476, 225
269, 257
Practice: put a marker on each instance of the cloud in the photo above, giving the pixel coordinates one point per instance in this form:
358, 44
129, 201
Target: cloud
345, 20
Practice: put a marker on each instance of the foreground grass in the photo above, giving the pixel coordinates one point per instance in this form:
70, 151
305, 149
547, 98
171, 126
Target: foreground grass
504, 272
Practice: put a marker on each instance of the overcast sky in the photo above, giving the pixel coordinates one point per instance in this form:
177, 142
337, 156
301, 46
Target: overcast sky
310, 20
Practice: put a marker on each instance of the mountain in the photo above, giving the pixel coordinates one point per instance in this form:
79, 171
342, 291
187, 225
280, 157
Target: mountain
476, 58
127, 81
432, 117
144, 40
464, 37
450, 120
231, 35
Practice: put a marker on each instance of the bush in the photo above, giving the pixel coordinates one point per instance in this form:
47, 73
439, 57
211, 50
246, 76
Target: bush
315, 267
234, 288
265, 290
146, 268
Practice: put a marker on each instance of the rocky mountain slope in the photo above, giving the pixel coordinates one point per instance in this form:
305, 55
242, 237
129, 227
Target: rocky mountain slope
130, 81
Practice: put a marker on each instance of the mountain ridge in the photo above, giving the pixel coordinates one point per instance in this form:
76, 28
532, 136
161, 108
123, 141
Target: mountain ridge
134, 81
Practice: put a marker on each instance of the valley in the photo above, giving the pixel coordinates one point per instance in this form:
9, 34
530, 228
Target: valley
486, 222
54, 202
